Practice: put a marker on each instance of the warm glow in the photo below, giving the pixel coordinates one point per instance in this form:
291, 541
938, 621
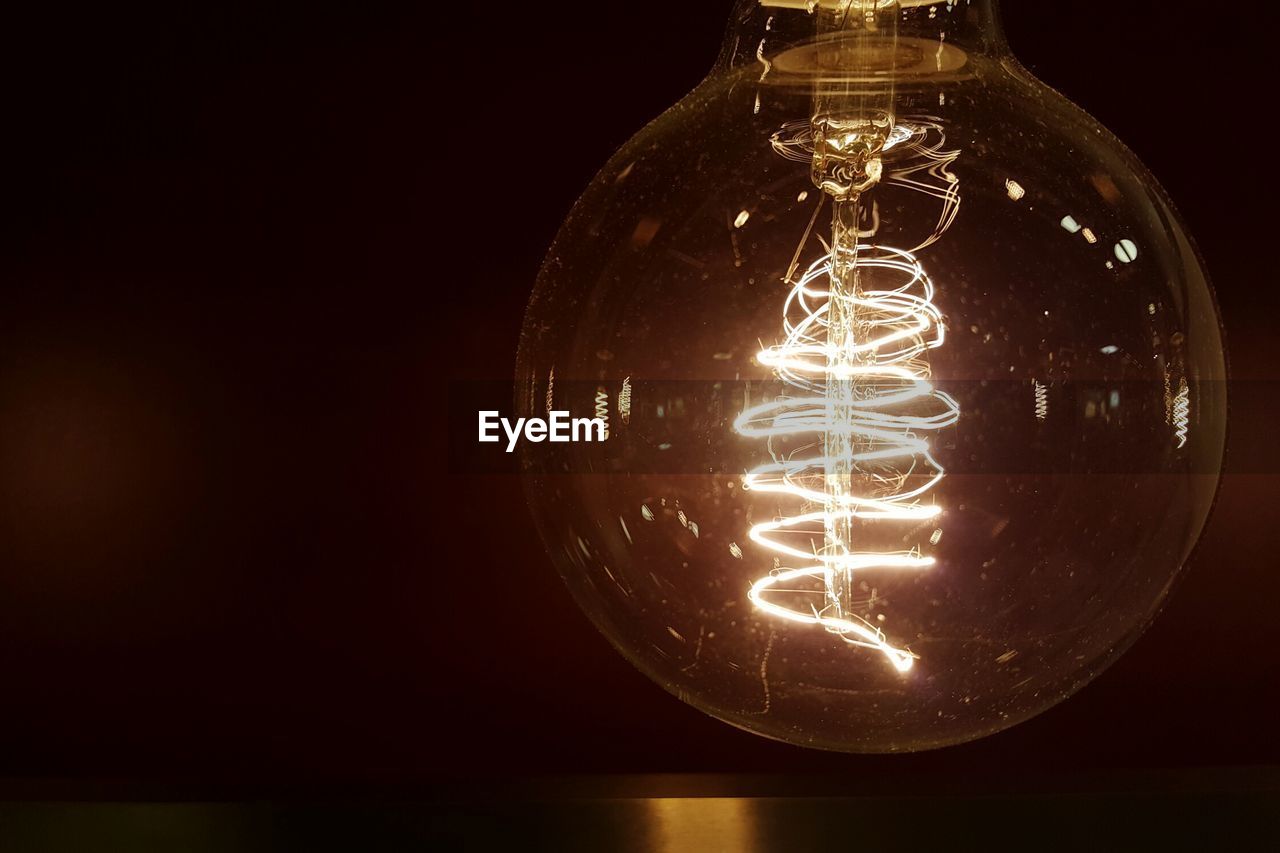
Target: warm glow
865, 397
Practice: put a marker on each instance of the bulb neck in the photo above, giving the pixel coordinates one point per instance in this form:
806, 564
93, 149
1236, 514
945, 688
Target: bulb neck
762, 32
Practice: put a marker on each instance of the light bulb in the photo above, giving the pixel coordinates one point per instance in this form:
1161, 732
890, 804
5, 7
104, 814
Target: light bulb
913, 382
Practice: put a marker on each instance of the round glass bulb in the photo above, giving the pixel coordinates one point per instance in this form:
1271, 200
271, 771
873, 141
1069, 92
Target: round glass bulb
913, 382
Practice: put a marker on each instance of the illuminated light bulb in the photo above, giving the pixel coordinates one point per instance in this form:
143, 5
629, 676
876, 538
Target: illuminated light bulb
914, 385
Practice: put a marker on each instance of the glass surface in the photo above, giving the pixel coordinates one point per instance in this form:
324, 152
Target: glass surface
743, 537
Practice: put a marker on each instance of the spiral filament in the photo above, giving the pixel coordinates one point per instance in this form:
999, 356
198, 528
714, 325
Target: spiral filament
849, 439
624, 401
1182, 413
602, 410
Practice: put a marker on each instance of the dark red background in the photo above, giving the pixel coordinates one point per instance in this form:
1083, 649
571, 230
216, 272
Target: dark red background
248, 251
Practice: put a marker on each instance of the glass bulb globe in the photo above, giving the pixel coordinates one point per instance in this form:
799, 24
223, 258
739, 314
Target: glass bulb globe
913, 382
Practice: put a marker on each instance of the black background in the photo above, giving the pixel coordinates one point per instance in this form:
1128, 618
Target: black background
248, 251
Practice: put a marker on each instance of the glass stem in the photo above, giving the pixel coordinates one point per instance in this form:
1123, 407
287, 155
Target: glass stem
843, 392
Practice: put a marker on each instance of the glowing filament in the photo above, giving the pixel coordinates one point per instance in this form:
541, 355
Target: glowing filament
849, 439
1182, 413
624, 401
863, 394
602, 410
1042, 401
